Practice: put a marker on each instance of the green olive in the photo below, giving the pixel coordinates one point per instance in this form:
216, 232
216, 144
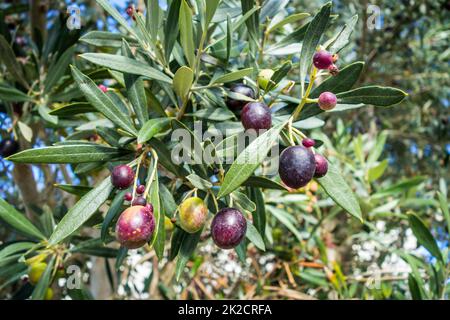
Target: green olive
35, 272
264, 77
193, 214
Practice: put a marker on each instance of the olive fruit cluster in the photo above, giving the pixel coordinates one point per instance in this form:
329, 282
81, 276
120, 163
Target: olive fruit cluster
299, 165
139, 200
136, 224
324, 60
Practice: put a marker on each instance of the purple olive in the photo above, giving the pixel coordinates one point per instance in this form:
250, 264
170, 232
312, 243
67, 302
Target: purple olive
122, 176
128, 196
135, 226
256, 115
321, 166
140, 189
322, 59
228, 228
327, 101
241, 89
139, 201
308, 142
8, 147
297, 166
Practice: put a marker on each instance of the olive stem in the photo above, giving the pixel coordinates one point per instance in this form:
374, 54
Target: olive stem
136, 177
152, 175
291, 139
301, 134
302, 103
212, 85
216, 205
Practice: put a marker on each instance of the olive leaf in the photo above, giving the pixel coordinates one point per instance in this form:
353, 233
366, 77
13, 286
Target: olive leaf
187, 248
72, 109
182, 81
159, 234
106, 39
8, 58
18, 221
82, 211
424, 236
254, 236
135, 89
344, 35
11, 94
249, 159
338, 190
186, 32
233, 76
101, 101
14, 248
375, 95
312, 38
113, 212
151, 128
125, 65
71, 153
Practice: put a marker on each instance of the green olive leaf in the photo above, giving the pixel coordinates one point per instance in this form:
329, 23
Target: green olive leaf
18, 221
338, 190
82, 211
248, 160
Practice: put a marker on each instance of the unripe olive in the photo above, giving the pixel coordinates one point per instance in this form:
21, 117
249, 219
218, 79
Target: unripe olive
48, 294
35, 272
193, 214
264, 77
168, 225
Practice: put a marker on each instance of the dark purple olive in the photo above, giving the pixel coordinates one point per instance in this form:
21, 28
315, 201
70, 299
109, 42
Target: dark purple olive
321, 166
8, 147
241, 89
128, 196
297, 166
139, 201
140, 189
122, 176
256, 115
228, 228
322, 59
135, 226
